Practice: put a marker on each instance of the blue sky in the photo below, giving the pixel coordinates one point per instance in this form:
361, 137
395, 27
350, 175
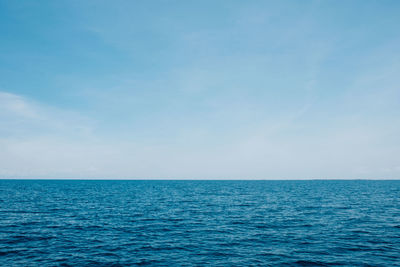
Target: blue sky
200, 89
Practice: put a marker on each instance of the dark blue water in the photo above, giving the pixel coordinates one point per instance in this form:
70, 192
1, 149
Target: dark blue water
218, 223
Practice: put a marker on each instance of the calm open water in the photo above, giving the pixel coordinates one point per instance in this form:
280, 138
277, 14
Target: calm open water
218, 223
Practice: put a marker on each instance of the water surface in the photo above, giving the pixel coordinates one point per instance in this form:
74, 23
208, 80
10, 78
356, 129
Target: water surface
218, 223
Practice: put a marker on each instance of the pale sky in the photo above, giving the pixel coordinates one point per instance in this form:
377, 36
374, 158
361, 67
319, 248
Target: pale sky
200, 89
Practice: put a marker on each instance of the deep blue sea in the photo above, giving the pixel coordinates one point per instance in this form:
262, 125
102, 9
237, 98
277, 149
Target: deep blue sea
213, 223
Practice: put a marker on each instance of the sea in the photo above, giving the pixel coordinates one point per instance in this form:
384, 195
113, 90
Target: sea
199, 223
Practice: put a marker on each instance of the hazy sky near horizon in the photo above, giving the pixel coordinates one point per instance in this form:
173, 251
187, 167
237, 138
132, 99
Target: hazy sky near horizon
200, 89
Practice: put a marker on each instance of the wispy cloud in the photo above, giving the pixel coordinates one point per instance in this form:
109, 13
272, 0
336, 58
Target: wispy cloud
200, 90
268, 151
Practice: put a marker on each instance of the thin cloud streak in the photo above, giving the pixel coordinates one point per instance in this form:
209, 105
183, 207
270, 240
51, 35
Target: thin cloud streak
200, 90
272, 155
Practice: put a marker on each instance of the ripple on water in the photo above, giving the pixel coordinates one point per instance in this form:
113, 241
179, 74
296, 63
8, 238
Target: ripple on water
220, 223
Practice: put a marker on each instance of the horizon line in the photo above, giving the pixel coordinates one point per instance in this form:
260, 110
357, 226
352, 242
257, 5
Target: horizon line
202, 179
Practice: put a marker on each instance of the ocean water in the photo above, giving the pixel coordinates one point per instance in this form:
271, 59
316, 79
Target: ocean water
185, 223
